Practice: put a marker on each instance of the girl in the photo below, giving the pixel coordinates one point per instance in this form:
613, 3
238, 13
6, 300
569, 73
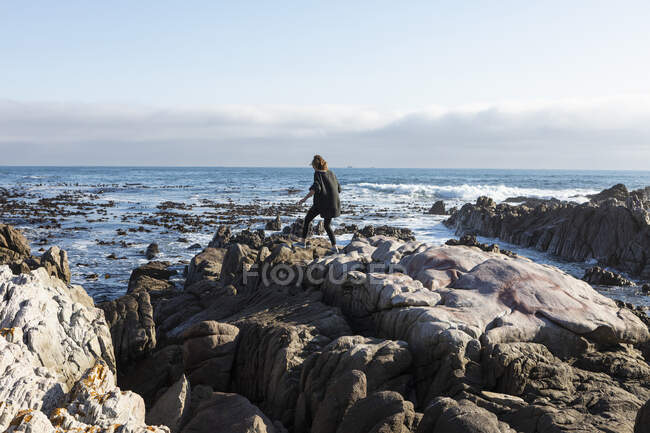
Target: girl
325, 189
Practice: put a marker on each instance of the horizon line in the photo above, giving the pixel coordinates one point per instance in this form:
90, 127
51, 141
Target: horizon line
307, 167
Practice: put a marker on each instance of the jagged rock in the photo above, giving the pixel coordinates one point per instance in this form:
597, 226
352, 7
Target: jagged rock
173, 407
133, 330
400, 233
606, 231
274, 225
66, 336
470, 241
95, 403
355, 365
52, 361
618, 192
12, 244
205, 265
438, 208
599, 276
24, 384
221, 238
152, 251
230, 413
516, 346
238, 259
485, 202
208, 353
252, 239
55, 260
295, 228
151, 277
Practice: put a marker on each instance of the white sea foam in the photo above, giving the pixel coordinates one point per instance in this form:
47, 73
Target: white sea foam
469, 193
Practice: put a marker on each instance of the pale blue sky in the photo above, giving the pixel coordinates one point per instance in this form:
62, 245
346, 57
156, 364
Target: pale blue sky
74, 69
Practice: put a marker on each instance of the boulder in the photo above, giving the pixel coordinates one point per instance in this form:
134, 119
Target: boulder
205, 265
12, 244
274, 225
133, 330
151, 277
221, 238
401, 233
173, 407
446, 415
230, 413
438, 208
55, 261
152, 251
66, 336
384, 411
209, 350
602, 277
342, 373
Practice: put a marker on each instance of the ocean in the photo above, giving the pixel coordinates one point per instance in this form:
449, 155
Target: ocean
106, 216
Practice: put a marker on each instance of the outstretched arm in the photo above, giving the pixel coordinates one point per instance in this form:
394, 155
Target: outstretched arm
305, 198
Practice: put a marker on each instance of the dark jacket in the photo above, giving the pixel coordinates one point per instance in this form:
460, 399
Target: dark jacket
326, 189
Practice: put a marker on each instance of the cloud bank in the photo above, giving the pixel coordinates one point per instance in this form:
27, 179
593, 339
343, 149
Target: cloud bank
599, 134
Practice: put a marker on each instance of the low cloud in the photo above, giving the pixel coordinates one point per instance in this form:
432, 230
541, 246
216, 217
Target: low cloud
599, 134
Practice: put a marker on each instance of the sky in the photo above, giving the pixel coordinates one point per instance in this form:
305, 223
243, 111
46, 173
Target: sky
500, 84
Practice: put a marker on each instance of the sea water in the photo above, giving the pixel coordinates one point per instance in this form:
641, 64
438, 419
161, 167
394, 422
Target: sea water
398, 197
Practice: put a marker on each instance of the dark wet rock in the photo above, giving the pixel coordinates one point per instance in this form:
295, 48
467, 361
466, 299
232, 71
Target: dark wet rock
645, 288
346, 229
274, 225
438, 208
194, 247
221, 238
130, 319
253, 239
471, 241
152, 251
295, 228
609, 232
401, 233
602, 277
618, 192
151, 277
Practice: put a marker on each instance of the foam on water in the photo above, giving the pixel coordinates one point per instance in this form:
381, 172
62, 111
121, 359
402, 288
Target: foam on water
469, 193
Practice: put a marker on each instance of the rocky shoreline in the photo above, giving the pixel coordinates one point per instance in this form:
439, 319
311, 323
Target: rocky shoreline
613, 228
389, 335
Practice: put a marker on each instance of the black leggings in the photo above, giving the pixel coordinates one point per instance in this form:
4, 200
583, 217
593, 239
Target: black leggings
311, 214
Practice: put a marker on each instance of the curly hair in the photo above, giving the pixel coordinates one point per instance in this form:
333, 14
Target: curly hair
319, 163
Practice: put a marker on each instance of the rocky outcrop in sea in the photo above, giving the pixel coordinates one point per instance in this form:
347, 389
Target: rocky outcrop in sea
388, 335
613, 228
